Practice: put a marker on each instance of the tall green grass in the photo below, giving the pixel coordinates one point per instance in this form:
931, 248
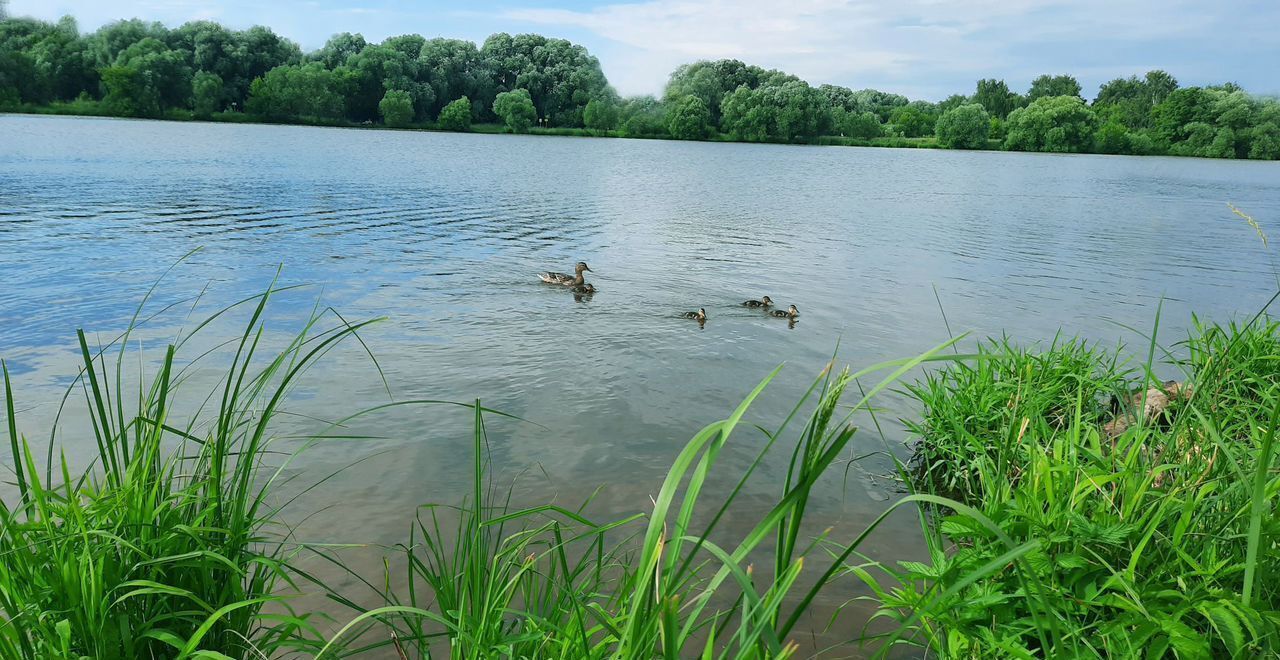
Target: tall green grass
547, 582
168, 545
1159, 542
1046, 536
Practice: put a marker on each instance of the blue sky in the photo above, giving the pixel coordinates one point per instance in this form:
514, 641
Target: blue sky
922, 48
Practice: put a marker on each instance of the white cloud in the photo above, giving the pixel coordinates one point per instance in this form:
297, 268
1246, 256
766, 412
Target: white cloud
921, 48
914, 43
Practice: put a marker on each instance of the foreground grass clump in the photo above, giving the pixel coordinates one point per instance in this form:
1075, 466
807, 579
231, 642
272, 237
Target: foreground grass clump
671, 582
1051, 529
167, 546
1156, 539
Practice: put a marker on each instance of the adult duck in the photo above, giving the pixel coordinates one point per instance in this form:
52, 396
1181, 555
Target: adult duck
564, 278
763, 302
791, 313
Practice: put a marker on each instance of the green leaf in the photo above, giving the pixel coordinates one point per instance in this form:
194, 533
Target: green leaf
1227, 626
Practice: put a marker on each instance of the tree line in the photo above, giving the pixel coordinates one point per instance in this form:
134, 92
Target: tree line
202, 69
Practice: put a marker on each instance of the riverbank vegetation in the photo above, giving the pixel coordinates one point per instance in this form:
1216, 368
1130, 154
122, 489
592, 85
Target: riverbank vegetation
1071, 504
1127, 517
522, 83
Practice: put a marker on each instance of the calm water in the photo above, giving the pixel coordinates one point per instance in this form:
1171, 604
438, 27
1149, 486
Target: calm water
443, 234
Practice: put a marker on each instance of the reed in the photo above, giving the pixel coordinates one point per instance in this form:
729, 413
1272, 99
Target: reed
1158, 539
1051, 531
548, 582
168, 545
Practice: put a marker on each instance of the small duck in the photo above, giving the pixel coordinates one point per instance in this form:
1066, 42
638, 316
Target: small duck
583, 289
563, 278
763, 302
699, 316
791, 313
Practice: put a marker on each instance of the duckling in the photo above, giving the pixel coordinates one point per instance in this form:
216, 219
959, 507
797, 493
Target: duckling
583, 289
763, 302
791, 313
563, 278
700, 315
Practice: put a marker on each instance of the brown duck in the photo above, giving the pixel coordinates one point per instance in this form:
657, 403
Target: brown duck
564, 278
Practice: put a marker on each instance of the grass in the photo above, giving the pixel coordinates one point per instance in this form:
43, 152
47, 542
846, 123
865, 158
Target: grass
547, 582
168, 545
1047, 535
1158, 542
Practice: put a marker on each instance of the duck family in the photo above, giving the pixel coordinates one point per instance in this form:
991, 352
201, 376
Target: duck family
578, 284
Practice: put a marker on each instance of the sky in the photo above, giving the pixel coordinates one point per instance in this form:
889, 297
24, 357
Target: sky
926, 49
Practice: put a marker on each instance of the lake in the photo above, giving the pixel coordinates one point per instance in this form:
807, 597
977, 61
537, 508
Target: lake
444, 234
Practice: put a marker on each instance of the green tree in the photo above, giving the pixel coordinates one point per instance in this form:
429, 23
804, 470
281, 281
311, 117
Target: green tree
515, 109
1264, 143
1112, 138
307, 91
106, 45
881, 103
147, 78
455, 68
1051, 123
790, 112
1180, 110
338, 49
257, 51
560, 77
689, 119
1215, 122
127, 93
62, 66
865, 125
456, 116
1159, 85
1047, 85
996, 98
396, 108
238, 58
964, 127
644, 116
601, 114
997, 130
206, 93
1131, 100
952, 102
915, 119
712, 81
376, 70
409, 45
17, 79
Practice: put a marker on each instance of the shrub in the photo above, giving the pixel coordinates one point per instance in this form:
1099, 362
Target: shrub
456, 116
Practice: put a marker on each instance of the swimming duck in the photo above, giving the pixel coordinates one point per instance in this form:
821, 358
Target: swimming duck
583, 289
700, 315
763, 302
563, 278
791, 313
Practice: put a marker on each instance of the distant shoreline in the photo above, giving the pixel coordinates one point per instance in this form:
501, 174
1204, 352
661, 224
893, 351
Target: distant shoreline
232, 117
931, 143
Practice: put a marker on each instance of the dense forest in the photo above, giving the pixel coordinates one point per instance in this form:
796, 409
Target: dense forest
530, 82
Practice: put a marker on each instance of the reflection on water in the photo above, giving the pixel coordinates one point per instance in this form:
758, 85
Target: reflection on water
444, 235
